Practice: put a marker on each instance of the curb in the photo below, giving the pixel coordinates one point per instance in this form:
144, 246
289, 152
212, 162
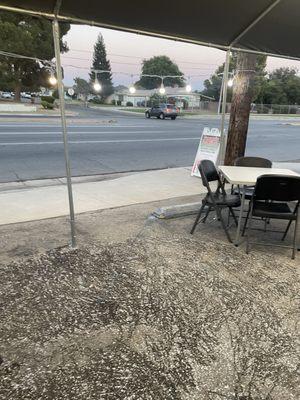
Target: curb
176, 211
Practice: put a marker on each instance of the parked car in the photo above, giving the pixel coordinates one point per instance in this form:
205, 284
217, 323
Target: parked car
6, 95
163, 111
25, 95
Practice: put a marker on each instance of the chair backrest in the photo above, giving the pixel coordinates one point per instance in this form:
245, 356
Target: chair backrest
208, 172
257, 162
277, 188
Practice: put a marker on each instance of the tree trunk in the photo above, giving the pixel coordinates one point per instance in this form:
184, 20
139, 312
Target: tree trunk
240, 107
18, 91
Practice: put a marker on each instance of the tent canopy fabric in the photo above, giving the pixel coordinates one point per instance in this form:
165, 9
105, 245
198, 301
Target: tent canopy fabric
269, 26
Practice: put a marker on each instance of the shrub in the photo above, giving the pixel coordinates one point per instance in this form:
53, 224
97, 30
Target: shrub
55, 94
48, 99
275, 109
263, 109
293, 110
113, 102
96, 100
284, 110
129, 104
46, 105
157, 99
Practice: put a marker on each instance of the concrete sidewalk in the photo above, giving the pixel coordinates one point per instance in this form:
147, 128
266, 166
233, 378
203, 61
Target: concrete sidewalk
35, 203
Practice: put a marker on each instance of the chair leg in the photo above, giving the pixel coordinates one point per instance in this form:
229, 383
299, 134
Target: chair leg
219, 214
286, 231
206, 214
295, 239
198, 217
248, 233
246, 221
228, 217
289, 224
234, 216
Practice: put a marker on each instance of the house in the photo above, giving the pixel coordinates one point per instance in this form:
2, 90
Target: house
176, 95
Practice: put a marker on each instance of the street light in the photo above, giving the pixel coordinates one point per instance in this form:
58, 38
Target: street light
52, 80
97, 86
230, 82
132, 89
188, 88
162, 89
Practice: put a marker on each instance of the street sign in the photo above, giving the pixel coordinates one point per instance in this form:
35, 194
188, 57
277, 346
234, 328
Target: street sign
71, 92
208, 148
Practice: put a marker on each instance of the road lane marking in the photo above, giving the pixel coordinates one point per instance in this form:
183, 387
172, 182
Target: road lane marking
74, 133
78, 126
83, 133
100, 141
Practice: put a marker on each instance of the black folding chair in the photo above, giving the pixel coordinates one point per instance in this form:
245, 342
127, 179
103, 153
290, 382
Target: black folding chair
215, 201
271, 196
253, 162
257, 162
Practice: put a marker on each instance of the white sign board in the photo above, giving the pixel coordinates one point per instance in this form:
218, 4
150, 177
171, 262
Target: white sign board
71, 92
208, 148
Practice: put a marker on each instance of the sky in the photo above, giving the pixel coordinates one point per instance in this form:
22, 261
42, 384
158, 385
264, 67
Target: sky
127, 50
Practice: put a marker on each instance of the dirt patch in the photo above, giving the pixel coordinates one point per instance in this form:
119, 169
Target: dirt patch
158, 317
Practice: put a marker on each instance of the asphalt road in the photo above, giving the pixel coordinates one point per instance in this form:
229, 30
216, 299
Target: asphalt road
33, 149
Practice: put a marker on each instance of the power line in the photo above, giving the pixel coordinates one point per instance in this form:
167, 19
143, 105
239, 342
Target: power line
50, 65
133, 74
124, 63
141, 58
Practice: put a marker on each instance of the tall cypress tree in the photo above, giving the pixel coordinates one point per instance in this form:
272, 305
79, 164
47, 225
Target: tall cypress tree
100, 62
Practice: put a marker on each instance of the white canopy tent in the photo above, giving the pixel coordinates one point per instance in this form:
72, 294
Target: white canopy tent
269, 27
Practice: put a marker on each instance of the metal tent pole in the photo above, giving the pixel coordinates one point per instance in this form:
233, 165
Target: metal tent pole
60, 86
220, 98
224, 103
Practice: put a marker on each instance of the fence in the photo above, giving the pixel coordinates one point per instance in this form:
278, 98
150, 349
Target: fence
275, 109
211, 107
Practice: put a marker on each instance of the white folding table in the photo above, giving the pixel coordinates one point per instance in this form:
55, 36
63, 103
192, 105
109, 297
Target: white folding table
247, 176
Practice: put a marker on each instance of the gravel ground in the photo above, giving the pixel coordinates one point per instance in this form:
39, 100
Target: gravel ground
162, 316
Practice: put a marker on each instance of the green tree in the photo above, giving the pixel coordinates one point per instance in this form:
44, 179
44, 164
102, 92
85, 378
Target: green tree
162, 66
82, 87
281, 87
28, 36
272, 93
157, 99
212, 86
101, 63
120, 88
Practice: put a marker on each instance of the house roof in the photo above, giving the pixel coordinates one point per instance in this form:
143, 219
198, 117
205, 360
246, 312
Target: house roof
170, 91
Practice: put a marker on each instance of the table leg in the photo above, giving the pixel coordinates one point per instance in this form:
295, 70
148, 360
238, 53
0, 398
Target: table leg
238, 231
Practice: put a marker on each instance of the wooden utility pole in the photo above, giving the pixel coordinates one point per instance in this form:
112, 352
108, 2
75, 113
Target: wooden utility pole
240, 106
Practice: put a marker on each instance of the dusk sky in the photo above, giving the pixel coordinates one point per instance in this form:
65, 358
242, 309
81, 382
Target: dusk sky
126, 52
